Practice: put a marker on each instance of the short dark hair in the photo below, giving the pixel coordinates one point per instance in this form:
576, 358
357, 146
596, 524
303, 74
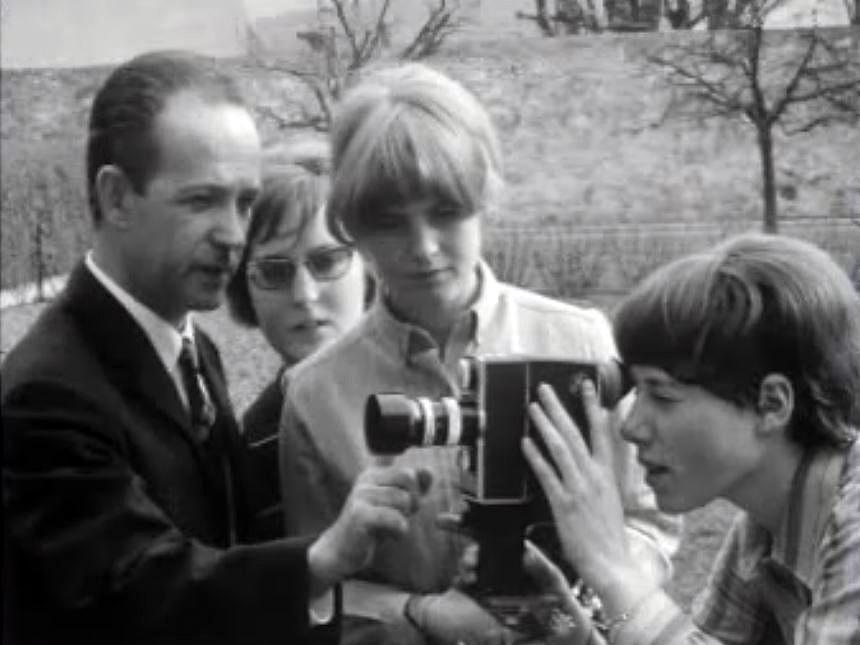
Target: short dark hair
295, 187
126, 106
753, 305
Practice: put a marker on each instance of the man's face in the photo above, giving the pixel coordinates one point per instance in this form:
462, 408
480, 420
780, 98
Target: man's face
426, 254
188, 227
694, 446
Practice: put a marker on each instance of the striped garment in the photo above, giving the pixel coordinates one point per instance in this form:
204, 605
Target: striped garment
799, 587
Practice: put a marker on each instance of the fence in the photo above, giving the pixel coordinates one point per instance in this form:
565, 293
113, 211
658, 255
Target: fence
598, 261
572, 262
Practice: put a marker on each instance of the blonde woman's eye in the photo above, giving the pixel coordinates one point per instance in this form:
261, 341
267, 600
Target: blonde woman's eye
449, 212
198, 202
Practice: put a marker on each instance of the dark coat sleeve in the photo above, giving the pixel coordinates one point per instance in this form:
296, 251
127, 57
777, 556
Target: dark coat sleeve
91, 545
260, 434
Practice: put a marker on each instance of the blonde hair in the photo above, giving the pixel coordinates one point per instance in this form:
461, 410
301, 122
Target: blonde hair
404, 133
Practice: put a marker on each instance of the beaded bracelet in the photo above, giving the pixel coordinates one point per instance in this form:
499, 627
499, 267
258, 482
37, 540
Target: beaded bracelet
408, 612
609, 628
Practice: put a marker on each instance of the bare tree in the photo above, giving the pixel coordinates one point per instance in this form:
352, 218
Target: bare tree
569, 16
349, 37
796, 83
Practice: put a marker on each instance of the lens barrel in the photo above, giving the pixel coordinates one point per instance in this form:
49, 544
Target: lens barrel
395, 422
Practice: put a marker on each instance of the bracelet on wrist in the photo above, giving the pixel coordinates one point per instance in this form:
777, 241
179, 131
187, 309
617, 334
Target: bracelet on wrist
610, 628
409, 612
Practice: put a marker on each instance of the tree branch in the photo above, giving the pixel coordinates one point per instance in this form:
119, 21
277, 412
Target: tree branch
791, 86
347, 29
439, 25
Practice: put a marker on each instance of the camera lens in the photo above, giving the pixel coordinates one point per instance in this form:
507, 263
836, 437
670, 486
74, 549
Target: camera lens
395, 422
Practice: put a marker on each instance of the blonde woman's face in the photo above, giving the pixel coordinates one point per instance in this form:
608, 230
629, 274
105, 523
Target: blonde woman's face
303, 307
426, 253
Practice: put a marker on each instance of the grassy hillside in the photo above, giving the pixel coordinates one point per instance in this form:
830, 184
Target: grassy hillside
588, 172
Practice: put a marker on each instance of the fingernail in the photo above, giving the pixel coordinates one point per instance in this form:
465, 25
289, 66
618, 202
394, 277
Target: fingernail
587, 388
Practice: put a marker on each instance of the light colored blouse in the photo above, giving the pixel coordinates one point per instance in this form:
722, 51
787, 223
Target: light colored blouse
322, 445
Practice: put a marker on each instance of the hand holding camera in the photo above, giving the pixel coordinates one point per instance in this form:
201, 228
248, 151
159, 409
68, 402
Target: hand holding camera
580, 488
487, 420
379, 507
454, 617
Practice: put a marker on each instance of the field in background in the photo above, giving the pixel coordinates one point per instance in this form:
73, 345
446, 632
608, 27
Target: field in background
584, 164
596, 197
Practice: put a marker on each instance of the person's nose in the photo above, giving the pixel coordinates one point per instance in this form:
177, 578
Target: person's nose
304, 288
230, 227
423, 242
635, 428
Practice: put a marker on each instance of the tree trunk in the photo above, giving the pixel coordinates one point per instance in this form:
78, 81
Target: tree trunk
765, 147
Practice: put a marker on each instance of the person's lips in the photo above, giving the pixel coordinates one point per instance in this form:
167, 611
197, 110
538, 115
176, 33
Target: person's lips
428, 275
215, 271
654, 471
311, 325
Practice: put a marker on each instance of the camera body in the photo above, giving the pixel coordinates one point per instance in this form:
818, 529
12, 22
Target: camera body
488, 419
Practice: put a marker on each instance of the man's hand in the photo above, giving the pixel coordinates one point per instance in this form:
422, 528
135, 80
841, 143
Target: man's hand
378, 507
453, 617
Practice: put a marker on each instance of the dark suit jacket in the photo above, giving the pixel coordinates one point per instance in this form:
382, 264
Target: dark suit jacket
260, 424
118, 523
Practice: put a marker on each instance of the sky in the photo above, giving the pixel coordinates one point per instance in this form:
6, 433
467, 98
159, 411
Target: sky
68, 33
262, 8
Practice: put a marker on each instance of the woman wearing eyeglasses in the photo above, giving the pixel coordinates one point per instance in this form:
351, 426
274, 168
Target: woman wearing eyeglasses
300, 286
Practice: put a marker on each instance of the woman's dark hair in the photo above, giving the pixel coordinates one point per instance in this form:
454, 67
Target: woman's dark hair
754, 305
295, 188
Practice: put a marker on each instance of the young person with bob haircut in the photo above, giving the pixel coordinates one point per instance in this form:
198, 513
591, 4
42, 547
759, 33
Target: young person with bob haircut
300, 286
416, 164
746, 360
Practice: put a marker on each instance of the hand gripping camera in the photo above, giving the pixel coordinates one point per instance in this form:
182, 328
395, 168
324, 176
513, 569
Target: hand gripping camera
504, 502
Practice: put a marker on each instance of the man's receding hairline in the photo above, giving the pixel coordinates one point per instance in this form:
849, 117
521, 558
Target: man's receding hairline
174, 102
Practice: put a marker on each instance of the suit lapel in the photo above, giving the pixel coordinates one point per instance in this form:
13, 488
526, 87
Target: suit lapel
134, 366
124, 347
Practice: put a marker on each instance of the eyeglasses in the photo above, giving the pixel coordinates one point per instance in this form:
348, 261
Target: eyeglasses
279, 272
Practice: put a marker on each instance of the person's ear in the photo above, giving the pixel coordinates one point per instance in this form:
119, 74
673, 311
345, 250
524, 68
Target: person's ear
114, 193
775, 402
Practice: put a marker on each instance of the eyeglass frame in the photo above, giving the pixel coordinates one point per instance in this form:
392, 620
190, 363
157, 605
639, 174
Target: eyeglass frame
254, 276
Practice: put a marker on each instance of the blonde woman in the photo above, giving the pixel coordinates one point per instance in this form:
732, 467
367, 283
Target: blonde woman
416, 164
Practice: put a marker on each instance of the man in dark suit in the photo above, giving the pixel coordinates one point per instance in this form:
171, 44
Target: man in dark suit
123, 485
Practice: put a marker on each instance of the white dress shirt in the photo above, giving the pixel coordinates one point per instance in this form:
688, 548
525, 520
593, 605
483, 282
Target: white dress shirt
165, 338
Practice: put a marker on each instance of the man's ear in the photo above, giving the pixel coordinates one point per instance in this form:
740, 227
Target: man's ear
775, 402
114, 193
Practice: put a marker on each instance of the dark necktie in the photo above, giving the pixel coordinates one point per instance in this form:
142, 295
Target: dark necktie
199, 402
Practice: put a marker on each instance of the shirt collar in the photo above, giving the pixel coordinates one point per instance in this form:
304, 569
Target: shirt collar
409, 339
813, 492
810, 503
165, 338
